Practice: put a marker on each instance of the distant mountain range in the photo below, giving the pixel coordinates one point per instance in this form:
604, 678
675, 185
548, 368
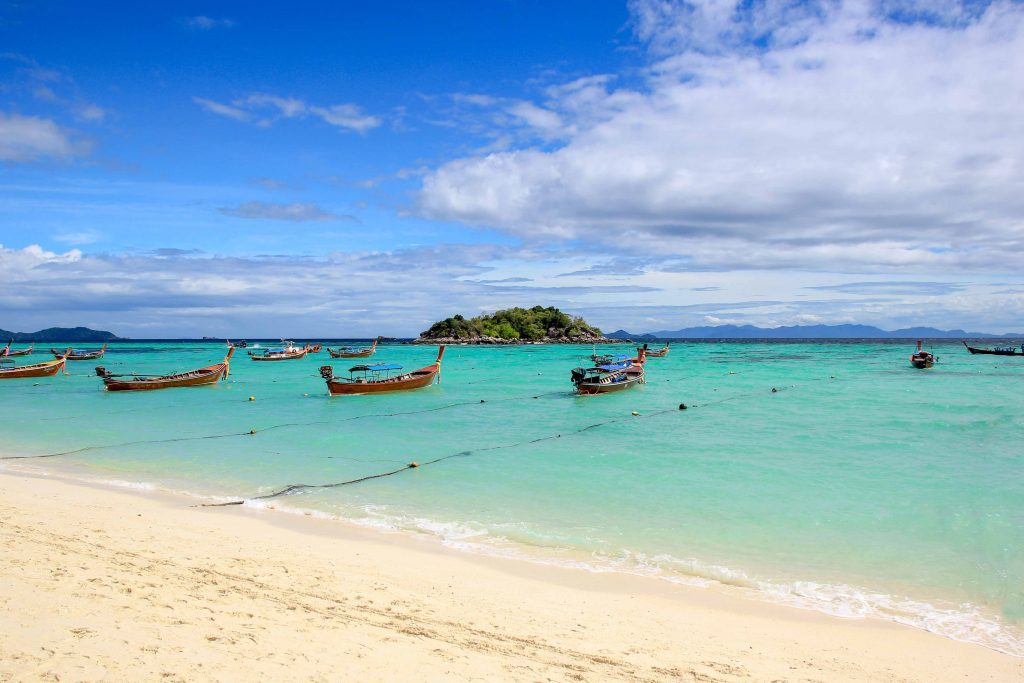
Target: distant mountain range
60, 334
808, 332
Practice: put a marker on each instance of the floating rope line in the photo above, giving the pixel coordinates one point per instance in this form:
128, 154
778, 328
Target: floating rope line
252, 432
295, 488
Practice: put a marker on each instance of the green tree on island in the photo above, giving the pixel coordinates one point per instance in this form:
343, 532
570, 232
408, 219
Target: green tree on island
527, 324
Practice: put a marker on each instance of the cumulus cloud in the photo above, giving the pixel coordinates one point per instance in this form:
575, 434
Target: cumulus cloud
821, 135
266, 109
29, 138
297, 212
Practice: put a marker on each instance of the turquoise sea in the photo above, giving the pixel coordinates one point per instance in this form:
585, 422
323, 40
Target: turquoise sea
860, 486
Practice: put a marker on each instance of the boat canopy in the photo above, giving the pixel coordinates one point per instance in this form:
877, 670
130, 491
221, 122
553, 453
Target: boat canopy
375, 368
614, 366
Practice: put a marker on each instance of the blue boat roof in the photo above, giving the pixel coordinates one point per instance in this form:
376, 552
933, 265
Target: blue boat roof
615, 366
375, 368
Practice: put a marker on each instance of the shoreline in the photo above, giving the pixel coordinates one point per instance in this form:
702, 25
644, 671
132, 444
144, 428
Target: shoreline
710, 631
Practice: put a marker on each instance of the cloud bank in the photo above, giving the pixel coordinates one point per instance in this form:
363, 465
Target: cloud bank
831, 136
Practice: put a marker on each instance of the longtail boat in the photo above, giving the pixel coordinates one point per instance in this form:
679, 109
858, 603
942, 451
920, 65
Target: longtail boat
288, 352
612, 377
377, 378
657, 353
998, 351
353, 351
80, 354
922, 359
241, 344
20, 352
8, 370
211, 374
315, 348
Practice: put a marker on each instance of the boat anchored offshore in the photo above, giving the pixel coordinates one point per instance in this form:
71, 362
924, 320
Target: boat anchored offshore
378, 378
657, 353
922, 359
211, 374
9, 353
288, 352
998, 351
353, 351
612, 377
79, 354
8, 369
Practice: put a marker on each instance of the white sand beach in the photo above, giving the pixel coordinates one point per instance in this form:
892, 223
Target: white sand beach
102, 584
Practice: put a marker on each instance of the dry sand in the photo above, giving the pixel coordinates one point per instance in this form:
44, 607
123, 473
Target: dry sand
102, 584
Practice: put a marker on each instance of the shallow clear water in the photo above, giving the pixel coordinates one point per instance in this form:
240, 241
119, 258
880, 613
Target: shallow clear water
861, 486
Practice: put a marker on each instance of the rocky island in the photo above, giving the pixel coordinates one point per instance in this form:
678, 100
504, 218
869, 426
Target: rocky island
515, 326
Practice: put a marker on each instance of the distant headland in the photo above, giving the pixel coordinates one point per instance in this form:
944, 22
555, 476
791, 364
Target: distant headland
515, 326
62, 334
808, 332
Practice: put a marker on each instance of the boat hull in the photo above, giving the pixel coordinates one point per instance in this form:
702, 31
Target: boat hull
361, 353
20, 352
994, 352
593, 389
417, 379
196, 378
91, 355
47, 369
281, 356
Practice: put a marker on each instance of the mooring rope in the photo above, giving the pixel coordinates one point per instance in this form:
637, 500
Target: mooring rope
294, 488
254, 431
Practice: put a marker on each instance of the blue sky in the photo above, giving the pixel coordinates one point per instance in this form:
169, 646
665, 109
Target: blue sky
235, 169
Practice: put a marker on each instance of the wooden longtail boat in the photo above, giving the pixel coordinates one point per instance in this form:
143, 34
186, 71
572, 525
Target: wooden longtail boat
211, 374
610, 378
998, 351
315, 348
922, 359
8, 370
289, 352
352, 351
20, 352
657, 353
375, 379
80, 354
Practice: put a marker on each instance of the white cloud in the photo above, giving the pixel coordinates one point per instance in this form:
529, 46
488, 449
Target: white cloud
253, 108
28, 138
222, 109
283, 212
347, 116
843, 140
90, 112
204, 23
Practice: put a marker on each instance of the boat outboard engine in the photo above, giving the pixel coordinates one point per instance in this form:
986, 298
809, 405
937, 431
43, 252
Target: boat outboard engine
578, 374
101, 371
327, 372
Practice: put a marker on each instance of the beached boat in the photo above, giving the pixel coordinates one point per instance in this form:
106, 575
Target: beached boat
8, 352
8, 369
353, 351
610, 378
80, 354
287, 352
379, 378
211, 374
998, 351
922, 359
